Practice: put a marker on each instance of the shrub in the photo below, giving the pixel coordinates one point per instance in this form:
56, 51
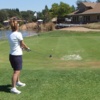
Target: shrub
47, 26
1, 25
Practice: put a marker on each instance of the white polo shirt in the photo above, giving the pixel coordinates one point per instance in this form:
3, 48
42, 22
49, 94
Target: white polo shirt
14, 39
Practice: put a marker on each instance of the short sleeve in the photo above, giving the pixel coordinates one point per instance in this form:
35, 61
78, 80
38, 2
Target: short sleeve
19, 36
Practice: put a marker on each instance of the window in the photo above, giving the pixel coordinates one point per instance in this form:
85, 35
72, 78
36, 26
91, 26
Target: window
98, 17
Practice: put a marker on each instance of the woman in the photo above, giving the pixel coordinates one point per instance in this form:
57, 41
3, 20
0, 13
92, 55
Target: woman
15, 57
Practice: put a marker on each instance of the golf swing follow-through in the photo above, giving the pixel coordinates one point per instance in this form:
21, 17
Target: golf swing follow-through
15, 56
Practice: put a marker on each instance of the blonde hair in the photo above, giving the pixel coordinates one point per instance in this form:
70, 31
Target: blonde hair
14, 25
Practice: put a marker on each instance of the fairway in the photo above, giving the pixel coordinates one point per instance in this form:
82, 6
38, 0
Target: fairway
62, 65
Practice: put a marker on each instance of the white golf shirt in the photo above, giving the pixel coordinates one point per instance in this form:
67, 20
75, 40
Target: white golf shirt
14, 39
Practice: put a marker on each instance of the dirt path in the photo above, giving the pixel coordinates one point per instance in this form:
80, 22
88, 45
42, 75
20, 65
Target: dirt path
80, 29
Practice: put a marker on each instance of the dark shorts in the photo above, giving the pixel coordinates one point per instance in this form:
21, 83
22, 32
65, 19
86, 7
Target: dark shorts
16, 62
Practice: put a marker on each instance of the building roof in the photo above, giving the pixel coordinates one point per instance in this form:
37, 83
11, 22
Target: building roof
95, 9
89, 4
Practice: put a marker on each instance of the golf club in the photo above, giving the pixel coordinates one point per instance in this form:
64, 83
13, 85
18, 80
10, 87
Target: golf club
29, 50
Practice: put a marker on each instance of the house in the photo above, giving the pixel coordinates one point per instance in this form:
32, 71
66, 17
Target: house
54, 20
88, 12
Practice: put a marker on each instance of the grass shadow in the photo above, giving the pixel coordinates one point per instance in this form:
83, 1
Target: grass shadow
5, 88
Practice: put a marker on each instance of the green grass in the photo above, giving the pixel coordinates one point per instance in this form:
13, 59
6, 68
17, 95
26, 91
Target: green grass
55, 78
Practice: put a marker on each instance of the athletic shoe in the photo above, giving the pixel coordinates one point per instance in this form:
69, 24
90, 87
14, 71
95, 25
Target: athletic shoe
14, 90
20, 84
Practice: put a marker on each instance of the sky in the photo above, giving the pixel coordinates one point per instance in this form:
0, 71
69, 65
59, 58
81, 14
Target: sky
34, 5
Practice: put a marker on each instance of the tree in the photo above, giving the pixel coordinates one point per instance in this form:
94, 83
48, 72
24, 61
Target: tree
98, 1
73, 8
64, 9
17, 10
60, 10
54, 10
27, 15
3, 16
46, 15
13, 12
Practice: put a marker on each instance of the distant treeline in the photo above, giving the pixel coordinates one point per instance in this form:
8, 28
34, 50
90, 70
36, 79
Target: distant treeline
57, 10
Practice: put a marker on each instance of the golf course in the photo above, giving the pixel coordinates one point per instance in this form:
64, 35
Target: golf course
62, 65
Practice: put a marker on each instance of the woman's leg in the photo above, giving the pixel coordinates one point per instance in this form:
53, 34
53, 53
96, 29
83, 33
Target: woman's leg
15, 77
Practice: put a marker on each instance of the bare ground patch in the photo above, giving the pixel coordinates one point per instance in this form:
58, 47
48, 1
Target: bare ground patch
76, 64
83, 29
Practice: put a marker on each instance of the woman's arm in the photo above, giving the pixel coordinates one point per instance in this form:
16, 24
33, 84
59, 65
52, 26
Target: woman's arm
24, 46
